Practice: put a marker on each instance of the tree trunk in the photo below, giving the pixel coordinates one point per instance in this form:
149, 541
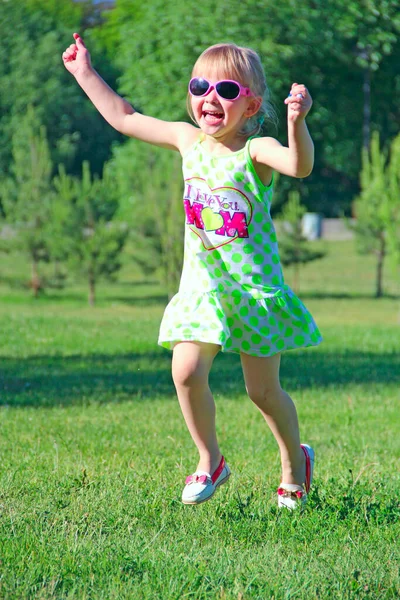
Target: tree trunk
92, 290
35, 280
379, 267
367, 108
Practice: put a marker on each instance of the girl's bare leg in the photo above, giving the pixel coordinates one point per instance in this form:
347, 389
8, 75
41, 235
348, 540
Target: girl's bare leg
263, 387
191, 364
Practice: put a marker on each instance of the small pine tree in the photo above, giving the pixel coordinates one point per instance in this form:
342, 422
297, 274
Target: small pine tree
157, 216
372, 209
28, 193
61, 227
98, 238
165, 201
149, 184
86, 232
393, 201
293, 246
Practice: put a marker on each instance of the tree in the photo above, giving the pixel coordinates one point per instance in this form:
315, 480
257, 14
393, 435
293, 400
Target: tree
97, 238
163, 193
373, 208
345, 52
151, 203
370, 30
28, 194
293, 246
60, 229
34, 33
324, 46
392, 215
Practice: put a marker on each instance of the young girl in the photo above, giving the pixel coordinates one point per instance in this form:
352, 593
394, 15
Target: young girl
232, 295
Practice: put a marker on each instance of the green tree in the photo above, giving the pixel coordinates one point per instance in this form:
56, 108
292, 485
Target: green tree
373, 208
60, 230
346, 52
393, 201
34, 34
28, 193
293, 245
163, 195
97, 237
151, 203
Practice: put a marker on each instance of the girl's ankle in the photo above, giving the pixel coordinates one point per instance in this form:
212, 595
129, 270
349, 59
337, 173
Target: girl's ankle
295, 474
209, 464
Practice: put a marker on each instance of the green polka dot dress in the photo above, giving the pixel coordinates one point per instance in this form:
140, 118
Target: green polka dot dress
232, 292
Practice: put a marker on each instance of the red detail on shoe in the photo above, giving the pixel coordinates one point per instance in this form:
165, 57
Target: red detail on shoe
298, 494
196, 479
308, 469
218, 470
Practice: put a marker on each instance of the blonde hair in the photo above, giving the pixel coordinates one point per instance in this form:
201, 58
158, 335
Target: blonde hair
243, 65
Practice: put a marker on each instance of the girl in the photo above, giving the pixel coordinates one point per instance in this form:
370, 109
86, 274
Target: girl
232, 295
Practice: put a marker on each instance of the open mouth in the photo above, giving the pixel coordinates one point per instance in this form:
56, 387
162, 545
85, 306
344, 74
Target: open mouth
212, 116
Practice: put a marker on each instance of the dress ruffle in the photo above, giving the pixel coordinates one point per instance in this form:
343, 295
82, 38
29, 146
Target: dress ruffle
240, 322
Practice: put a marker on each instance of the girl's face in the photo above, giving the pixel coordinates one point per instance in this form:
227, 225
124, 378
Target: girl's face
216, 116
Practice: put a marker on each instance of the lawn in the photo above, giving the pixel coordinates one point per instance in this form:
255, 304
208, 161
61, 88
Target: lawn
94, 451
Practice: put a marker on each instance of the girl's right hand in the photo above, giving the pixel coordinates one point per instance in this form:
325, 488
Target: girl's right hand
76, 57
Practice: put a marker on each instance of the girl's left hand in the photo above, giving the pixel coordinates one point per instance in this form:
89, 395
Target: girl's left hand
298, 102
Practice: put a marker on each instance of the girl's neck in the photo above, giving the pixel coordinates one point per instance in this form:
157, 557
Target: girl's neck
223, 146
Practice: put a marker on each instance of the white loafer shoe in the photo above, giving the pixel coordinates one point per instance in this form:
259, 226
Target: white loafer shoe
294, 496
201, 486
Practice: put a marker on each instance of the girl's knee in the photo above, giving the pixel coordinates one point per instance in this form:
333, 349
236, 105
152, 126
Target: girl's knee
188, 373
191, 363
264, 395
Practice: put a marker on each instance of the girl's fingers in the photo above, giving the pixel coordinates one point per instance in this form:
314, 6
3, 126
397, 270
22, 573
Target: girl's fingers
69, 55
294, 99
79, 40
297, 95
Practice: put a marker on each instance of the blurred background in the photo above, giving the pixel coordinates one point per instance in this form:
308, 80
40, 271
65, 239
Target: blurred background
77, 200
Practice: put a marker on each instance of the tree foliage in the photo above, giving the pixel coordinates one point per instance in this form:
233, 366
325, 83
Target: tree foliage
34, 34
373, 208
152, 202
393, 205
328, 45
97, 238
346, 51
377, 208
27, 198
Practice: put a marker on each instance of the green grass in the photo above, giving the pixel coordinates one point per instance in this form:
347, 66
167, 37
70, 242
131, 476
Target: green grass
94, 451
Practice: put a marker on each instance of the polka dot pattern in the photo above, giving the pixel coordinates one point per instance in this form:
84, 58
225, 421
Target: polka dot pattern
232, 290
260, 330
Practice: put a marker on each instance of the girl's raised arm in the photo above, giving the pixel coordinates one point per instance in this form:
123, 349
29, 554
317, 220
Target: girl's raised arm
297, 159
117, 111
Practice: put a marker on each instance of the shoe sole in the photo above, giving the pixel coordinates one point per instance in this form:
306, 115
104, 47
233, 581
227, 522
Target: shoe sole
224, 480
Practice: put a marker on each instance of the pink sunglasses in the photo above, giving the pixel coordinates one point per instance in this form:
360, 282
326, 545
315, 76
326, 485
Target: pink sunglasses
226, 89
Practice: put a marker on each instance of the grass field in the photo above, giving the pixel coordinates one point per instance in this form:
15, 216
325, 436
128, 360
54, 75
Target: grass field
94, 451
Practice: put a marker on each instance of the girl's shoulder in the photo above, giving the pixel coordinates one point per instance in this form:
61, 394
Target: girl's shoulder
260, 144
258, 149
188, 137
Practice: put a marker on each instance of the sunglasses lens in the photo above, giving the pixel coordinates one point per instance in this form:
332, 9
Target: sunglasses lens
198, 86
228, 90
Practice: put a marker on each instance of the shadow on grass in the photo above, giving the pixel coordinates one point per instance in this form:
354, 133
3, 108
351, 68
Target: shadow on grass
79, 380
